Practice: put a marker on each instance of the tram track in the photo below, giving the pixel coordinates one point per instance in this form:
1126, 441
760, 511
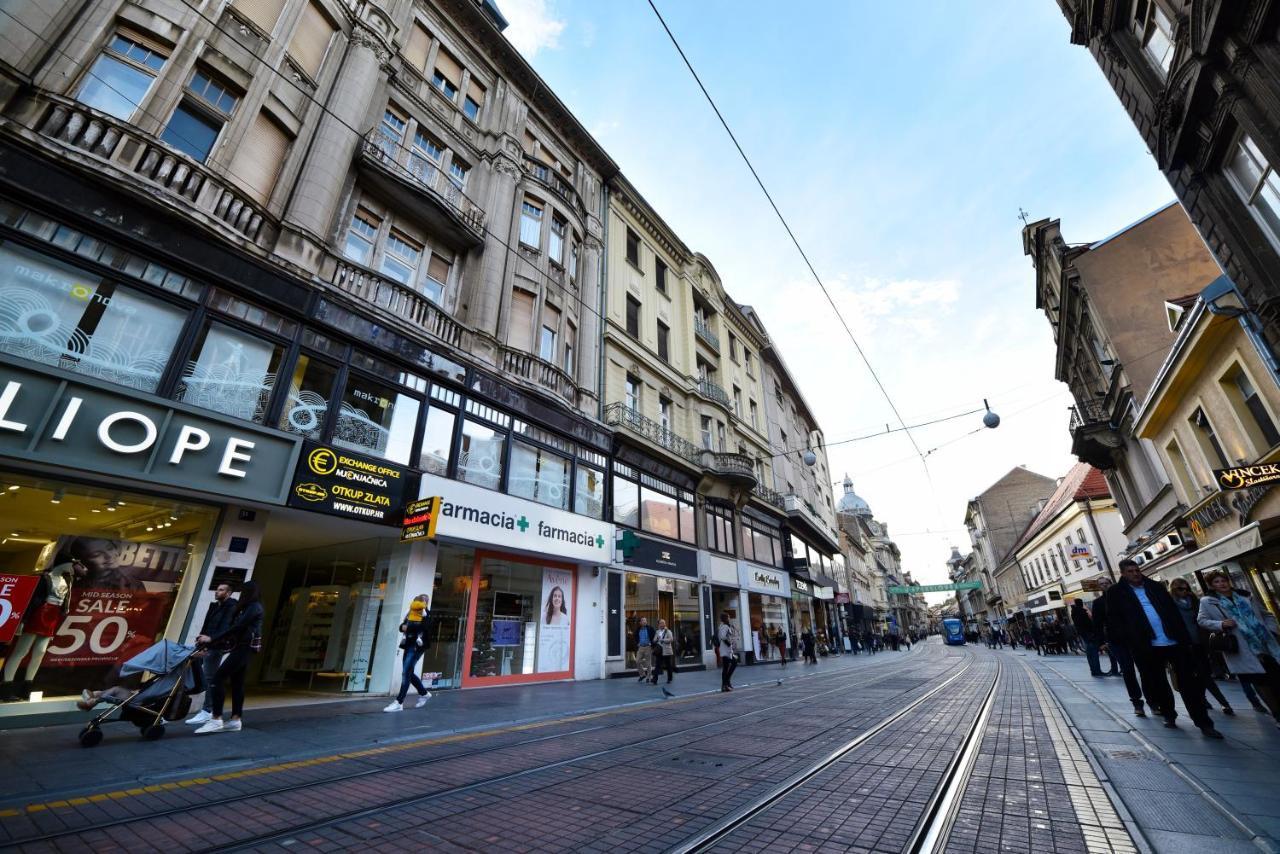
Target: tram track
850, 681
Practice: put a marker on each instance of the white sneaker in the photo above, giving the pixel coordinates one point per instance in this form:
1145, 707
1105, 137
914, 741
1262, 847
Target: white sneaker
215, 725
231, 726
200, 717
394, 706
422, 700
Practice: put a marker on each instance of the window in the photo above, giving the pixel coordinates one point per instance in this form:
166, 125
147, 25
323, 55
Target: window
474, 100
746, 358
375, 418
570, 341
555, 248
539, 475
719, 533
480, 455
1251, 410
664, 342
458, 172
448, 74
361, 237
520, 335
311, 40
199, 117
1154, 31
588, 496
737, 401
400, 259
1208, 439
1181, 472
231, 372
531, 225
437, 278
664, 414
310, 392
437, 441
633, 248
550, 332
263, 13
419, 45
260, 156
633, 316
121, 76
733, 346
426, 154
82, 323
761, 543
720, 436
1254, 179
631, 392
573, 262
653, 505
755, 413
706, 432
660, 272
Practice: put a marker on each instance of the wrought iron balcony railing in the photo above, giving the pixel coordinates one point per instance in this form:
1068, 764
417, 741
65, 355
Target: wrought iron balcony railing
427, 175
708, 389
703, 331
540, 372
621, 415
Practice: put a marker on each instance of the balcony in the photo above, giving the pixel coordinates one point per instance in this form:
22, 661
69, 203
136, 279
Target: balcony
769, 496
540, 372
417, 182
553, 181
118, 149
367, 287
738, 469
708, 389
1094, 440
801, 511
621, 415
703, 330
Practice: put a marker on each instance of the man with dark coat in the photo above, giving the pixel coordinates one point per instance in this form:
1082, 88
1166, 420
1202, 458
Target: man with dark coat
1144, 618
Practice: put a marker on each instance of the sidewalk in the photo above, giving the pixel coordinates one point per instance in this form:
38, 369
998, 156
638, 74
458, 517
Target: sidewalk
1185, 792
38, 764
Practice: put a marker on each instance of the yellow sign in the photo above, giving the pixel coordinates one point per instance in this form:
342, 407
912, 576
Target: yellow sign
1243, 477
322, 461
311, 492
420, 518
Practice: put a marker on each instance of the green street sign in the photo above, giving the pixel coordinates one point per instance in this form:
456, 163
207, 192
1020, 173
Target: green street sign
935, 588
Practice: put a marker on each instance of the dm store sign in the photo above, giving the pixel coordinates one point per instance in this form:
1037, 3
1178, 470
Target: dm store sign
336, 481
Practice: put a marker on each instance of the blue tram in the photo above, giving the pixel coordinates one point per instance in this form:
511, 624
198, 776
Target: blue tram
952, 632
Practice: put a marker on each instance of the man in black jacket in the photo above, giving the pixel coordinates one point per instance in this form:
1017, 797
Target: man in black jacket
217, 619
1144, 618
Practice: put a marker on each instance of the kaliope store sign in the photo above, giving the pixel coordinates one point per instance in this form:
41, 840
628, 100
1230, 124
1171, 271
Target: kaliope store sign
490, 518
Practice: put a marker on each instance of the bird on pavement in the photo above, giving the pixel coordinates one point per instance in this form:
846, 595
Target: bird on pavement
667, 693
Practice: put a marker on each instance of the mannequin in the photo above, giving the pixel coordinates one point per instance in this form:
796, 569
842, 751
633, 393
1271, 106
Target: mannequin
40, 623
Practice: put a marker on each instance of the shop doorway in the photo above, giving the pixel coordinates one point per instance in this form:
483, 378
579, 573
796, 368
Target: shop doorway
676, 602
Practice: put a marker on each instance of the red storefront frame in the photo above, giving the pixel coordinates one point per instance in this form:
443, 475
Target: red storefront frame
469, 681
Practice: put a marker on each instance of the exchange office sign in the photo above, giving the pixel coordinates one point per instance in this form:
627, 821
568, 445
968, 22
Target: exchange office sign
663, 557
74, 423
483, 516
336, 481
1243, 477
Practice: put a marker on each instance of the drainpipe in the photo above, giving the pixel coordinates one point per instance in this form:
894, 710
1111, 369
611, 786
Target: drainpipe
1097, 538
604, 293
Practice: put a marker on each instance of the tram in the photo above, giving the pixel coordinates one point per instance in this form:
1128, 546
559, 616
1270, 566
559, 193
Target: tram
952, 632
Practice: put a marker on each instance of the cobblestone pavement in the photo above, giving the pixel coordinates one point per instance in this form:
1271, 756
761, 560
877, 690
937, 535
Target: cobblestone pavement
956, 749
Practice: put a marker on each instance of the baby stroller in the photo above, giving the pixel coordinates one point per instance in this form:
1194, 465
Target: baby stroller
165, 694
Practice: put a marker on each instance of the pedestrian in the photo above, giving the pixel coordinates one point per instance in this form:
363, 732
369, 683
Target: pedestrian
727, 635
664, 653
779, 640
243, 637
221, 611
809, 644
1037, 638
1254, 657
1189, 607
644, 650
1142, 613
1083, 624
414, 627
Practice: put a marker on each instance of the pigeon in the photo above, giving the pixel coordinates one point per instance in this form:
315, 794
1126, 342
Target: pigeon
666, 693
779, 682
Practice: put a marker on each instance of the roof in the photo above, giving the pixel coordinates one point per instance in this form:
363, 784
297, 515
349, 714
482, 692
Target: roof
1082, 483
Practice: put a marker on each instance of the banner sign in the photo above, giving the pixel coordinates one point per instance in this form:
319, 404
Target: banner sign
420, 519
15, 594
758, 579
1081, 552
909, 589
555, 620
664, 557
1243, 477
341, 483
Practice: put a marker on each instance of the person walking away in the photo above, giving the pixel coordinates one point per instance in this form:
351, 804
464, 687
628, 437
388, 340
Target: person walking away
243, 638
1037, 638
809, 644
1142, 613
644, 650
414, 643
727, 635
664, 651
221, 611
779, 639
1083, 624
1189, 607
1256, 656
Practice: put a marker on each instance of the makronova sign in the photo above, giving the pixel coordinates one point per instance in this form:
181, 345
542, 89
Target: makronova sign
484, 517
79, 423
759, 579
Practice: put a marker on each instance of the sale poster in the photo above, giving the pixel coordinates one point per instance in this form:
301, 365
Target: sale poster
15, 593
555, 621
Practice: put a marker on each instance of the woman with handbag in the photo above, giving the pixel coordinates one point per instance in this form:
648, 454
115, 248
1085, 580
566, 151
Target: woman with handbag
664, 650
1240, 631
242, 638
1189, 607
727, 636
414, 643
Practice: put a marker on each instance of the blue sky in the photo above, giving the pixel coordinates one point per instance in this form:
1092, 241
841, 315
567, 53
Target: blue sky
900, 140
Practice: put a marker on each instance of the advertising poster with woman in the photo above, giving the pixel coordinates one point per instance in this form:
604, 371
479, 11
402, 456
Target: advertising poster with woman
555, 620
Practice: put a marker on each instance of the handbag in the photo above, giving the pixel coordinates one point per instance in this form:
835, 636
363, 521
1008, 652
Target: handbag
1224, 641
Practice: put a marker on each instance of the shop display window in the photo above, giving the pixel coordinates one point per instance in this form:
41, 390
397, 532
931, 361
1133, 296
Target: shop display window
310, 390
376, 419
99, 576
450, 604
539, 475
656, 598
231, 372
768, 619
589, 497
480, 457
63, 316
437, 440
523, 624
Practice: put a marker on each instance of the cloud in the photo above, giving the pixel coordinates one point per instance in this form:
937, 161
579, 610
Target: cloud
532, 26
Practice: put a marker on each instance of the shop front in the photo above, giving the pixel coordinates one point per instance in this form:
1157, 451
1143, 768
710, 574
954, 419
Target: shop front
516, 589
801, 615
767, 592
660, 582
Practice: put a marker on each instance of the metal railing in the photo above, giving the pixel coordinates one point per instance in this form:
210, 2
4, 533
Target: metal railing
769, 496
621, 415
553, 181
708, 389
539, 372
729, 463
421, 170
397, 299
703, 331
1089, 414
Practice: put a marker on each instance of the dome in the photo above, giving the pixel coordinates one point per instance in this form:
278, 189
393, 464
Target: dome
850, 502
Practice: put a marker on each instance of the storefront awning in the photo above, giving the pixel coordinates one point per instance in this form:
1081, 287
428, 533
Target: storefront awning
1227, 548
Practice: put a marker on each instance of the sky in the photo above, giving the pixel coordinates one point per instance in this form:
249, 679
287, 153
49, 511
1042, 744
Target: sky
901, 141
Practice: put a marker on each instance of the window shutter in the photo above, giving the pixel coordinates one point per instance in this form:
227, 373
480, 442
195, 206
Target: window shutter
521, 332
264, 13
529, 143
449, 67
438, 269
259, 157
551, 317
475, 91
416, 51
311, 39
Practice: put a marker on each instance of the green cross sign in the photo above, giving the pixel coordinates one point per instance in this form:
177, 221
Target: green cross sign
523, 524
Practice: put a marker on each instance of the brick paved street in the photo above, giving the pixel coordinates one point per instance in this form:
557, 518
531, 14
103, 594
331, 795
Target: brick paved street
944, 748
